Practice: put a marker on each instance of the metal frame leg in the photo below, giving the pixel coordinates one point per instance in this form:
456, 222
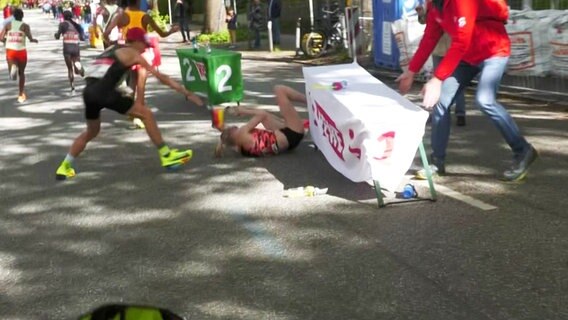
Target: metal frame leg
380, 197
426, 165
428, 171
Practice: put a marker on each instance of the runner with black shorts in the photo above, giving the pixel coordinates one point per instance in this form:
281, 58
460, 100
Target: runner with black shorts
73, 34
103, 91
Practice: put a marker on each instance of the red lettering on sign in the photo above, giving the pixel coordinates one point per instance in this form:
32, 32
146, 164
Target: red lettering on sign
329, 130
387, 139
353, 150
314, 113
201, 70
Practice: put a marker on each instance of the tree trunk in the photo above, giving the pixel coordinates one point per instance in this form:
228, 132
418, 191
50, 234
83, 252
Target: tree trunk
214, 16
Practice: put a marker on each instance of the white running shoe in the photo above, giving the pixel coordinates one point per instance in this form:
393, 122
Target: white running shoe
79, 68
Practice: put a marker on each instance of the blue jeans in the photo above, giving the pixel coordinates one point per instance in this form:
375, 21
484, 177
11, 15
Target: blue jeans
460, 97
492, 71
276, 31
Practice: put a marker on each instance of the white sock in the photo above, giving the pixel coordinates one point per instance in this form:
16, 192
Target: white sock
69, 158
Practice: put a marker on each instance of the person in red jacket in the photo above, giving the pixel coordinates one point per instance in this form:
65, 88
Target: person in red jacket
7, 11
480, 45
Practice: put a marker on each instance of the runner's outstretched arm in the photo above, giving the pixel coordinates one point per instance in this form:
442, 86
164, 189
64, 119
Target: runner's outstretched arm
159, 30
168, 81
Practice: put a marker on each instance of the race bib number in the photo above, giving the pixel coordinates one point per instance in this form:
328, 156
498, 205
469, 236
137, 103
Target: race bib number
71, 37
15, 37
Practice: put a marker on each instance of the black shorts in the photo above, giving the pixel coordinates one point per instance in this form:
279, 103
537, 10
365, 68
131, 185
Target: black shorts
96, 97
294, 138
71, 50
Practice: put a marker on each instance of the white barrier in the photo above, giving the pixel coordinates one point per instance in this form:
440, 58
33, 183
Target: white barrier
539, 42
558, 37
531, 51
367, 131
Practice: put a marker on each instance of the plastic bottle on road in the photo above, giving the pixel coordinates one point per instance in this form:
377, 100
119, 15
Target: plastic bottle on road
308, 191
409, 192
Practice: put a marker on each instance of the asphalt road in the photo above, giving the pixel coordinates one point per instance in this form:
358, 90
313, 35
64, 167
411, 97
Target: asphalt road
217, 240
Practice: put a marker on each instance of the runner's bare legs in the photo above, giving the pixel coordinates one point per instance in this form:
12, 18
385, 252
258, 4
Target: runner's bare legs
290, 117
94, 127
22, 77
284, 98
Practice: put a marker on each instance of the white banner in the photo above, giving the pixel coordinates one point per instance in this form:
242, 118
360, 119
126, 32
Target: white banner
367, 131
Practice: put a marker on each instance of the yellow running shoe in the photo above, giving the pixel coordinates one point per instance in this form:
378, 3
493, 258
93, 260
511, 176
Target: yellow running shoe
65, 171
176, 158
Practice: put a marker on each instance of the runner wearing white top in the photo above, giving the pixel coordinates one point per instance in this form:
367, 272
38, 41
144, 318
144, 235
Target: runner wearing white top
106, 12
14, 34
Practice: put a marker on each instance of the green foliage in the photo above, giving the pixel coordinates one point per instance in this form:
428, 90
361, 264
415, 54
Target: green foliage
15, 3
547, 4
214, 38
161, 20
242, 33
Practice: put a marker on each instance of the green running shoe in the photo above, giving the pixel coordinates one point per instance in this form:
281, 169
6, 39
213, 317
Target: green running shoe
65, 171
175, 158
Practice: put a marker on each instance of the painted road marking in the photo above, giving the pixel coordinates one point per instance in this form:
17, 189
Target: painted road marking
267, 243
463, 198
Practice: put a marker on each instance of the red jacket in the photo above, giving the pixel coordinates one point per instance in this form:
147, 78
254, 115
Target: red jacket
7, 12
477, 29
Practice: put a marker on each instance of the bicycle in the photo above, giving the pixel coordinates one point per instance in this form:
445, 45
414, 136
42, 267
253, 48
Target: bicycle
327, 36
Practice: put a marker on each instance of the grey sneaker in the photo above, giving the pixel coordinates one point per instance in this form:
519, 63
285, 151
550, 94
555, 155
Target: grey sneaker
521, 165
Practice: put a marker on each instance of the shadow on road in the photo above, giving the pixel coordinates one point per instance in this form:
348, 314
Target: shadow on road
217, 240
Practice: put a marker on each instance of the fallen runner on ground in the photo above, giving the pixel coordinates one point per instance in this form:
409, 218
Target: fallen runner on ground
278, 134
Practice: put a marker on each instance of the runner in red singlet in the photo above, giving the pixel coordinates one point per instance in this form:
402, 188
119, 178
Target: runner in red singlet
278, 134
